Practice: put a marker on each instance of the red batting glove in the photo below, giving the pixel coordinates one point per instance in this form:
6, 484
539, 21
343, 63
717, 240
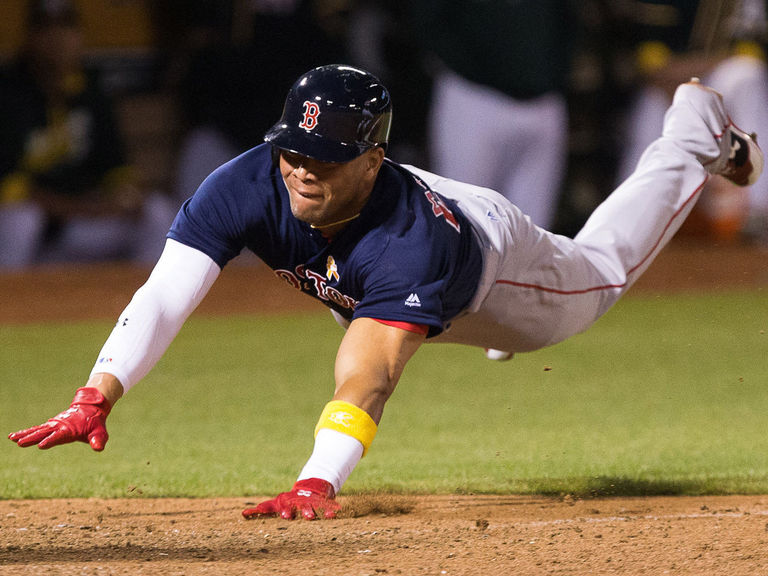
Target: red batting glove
312, 497
83, 421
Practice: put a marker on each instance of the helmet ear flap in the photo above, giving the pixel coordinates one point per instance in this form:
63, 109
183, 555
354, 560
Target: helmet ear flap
376, 130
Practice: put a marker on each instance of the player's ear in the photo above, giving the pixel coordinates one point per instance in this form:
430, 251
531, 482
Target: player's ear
374, 157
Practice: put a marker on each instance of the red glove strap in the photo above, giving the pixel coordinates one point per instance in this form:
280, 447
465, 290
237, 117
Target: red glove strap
316, 486
92, 396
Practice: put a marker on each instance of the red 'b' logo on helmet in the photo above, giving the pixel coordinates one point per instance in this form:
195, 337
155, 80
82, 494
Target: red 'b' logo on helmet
311, 112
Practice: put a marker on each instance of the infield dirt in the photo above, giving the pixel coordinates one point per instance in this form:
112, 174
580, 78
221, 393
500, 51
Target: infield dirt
391, 535
377, 534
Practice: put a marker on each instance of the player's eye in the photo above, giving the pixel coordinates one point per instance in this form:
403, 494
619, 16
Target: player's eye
292, 158
316, 167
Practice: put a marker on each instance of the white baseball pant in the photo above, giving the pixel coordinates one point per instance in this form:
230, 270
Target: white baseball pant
539, 288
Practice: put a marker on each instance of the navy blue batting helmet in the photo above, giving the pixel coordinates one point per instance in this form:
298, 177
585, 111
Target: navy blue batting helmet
334, 113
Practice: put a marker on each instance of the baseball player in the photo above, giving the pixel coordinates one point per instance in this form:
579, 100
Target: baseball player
400, 256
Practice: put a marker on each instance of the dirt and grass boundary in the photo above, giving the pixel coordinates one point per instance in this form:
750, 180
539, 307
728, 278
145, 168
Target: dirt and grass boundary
378, 533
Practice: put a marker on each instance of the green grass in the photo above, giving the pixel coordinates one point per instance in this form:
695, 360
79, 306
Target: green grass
662, 396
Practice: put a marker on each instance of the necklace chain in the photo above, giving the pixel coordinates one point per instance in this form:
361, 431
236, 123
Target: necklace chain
344, 221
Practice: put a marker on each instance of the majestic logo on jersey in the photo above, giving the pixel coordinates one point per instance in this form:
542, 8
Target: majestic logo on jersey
311, 112
332, 271
315, 284
413, 301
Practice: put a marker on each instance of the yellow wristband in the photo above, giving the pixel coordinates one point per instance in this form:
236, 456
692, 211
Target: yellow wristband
350, 420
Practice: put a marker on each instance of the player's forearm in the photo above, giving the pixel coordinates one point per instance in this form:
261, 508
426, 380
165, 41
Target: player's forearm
369, 364
155, 314
346, 429
141, 336
366, 396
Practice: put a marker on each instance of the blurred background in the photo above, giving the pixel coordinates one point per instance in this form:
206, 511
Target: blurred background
113, 111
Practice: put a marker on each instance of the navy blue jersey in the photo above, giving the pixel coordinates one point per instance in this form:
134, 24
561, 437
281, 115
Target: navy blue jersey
411, 256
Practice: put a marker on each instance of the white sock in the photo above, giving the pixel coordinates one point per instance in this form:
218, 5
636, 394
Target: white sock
333, 459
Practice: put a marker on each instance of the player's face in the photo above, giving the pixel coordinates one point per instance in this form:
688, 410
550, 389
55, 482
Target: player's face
324, 193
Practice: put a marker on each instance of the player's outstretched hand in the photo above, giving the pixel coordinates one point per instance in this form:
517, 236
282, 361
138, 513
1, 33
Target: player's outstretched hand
312, 498
83, 421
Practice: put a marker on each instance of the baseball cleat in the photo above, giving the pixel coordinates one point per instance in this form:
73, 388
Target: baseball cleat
745, 162
733, 154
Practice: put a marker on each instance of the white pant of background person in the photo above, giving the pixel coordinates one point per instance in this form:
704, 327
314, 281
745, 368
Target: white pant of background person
517, 147
202, 150
539, 288
743, 82
23, 226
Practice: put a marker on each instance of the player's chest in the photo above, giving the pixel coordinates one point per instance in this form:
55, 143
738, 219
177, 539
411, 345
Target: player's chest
328, 275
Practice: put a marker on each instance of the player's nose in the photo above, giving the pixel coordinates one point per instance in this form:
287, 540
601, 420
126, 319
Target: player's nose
301, 172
